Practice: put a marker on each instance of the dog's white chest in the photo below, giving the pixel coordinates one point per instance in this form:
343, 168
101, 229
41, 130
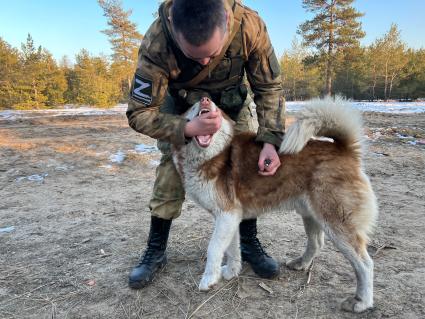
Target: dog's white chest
200, 189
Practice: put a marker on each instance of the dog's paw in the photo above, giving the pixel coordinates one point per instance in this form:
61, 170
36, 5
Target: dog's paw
298, 264
208, 282
355, 304
230, 271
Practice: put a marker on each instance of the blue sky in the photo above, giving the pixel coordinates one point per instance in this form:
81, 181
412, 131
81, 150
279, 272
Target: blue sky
65, 27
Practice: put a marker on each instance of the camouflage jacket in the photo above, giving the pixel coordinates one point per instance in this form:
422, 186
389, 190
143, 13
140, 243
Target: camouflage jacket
158, 69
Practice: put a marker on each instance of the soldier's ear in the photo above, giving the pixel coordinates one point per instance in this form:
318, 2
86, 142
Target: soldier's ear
227, 19
170, 14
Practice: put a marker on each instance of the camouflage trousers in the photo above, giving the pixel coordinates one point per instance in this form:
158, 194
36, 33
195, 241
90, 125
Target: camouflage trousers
168, 193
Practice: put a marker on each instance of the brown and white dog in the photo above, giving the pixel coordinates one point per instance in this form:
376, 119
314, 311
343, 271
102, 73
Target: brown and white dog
323, 181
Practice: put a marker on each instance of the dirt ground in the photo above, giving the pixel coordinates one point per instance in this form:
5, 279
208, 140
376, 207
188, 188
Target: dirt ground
73, 223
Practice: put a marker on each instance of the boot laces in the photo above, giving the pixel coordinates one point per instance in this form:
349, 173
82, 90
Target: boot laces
148, 255
256, 246
259, 248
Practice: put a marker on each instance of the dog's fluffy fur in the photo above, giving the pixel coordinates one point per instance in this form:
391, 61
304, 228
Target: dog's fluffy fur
322, 180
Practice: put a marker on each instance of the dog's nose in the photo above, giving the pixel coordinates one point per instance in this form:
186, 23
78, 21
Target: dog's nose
205, 101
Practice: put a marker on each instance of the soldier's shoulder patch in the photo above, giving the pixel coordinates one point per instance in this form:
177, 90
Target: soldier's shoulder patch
142, 90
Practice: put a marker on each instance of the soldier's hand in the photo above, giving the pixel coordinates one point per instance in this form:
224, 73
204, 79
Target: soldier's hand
204, 124
269, 160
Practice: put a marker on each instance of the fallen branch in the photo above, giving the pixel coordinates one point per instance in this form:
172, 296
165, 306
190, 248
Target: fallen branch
210, 297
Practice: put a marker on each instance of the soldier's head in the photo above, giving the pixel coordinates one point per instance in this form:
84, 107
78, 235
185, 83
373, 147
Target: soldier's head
200, 28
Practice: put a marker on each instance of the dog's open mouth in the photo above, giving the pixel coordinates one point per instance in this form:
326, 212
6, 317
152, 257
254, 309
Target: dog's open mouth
203, 140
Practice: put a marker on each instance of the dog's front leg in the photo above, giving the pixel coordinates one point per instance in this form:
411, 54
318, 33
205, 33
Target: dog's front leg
226, 225
233, 258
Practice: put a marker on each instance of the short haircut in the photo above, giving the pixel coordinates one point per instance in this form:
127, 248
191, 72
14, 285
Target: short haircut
197, 20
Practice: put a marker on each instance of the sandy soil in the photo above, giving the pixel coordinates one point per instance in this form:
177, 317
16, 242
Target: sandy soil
80, 222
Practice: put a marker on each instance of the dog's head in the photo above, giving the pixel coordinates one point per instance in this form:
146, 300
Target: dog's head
222, 136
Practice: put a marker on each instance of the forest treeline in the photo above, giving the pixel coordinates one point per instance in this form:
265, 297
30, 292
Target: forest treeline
326, 58
386, 69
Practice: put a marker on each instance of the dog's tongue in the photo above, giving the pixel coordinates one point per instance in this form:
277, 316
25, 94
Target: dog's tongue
204, 140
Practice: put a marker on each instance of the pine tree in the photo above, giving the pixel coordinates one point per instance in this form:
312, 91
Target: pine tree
90, 83
351, 71
31, 82
9, 75
412, 86
300, 80
334, 26
125, 41
388, 59
55, 81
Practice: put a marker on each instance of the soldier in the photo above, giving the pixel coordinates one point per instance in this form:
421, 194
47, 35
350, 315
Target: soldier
202, 48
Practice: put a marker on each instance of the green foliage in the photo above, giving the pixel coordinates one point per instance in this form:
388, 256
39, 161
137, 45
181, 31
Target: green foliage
383, 70
90, 82
412, 85
9, 75
333, 28
125, 41
29, 78
300, 79
386, 69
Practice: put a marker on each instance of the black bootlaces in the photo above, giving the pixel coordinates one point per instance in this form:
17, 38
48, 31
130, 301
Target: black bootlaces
256, 246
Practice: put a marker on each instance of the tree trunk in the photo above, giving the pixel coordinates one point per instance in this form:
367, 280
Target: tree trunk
374, 84
329, 66
393, 76
386, 82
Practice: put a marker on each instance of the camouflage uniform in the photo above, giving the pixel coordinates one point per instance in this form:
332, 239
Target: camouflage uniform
159, 96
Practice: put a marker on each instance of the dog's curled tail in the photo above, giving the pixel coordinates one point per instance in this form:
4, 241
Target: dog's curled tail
327, 117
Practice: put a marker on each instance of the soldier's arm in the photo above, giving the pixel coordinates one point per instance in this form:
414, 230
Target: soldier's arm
263, 72
148, 92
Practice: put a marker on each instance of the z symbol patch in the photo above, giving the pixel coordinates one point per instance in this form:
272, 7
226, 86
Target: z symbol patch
142, 90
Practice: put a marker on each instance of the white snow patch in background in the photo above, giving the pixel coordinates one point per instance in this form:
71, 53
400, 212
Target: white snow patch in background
69, 110
32, 178
400, 136
142, 148
379, 107
154, 163
118, 157
63, 168
7, 229
66, 111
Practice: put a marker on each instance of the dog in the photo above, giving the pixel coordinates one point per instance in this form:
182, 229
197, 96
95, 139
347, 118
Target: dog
322, 180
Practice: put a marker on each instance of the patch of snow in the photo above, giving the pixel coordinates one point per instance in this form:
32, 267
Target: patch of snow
7, 229
400, 136
142, 148
292, 106
118, 157
33, 178
379, 107
66, 111
63, 168
154, 163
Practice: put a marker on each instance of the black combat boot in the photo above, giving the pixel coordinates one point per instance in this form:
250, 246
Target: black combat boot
154, 257
252, 252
